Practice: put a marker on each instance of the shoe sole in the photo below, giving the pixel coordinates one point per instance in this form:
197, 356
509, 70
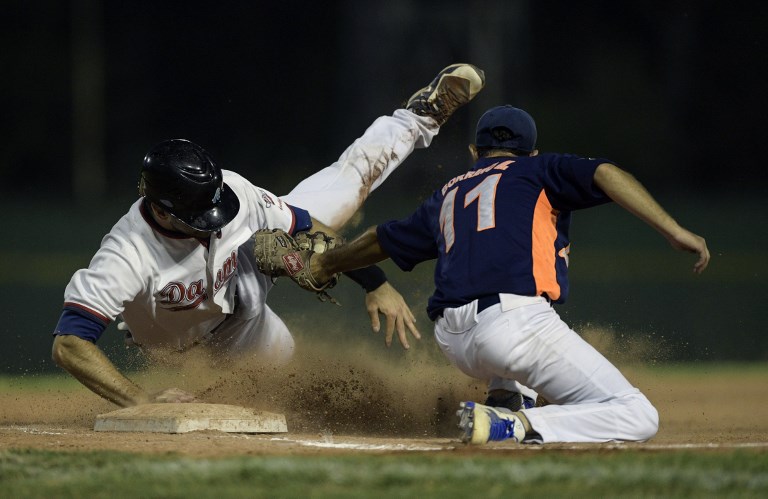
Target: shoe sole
475, 425
466, 77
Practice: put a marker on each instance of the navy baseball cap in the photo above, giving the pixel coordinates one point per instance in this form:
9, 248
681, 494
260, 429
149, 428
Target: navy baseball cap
521, 127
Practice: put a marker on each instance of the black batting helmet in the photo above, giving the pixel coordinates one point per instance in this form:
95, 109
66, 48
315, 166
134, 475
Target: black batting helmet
181, 178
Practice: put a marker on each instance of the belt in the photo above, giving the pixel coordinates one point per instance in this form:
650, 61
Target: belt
491, 300
487, 301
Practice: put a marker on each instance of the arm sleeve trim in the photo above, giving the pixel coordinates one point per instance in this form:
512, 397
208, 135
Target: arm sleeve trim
76, 322
370, 278
86, 311
301, 220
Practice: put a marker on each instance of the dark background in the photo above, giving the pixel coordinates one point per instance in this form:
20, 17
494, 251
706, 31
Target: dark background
672, 91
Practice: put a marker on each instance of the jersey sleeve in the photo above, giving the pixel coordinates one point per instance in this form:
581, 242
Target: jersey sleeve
276, 213
569, 182
266, 210
97, 294
410, 241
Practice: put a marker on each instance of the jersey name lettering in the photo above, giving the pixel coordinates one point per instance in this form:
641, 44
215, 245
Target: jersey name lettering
225, 272
176, 296
474, 173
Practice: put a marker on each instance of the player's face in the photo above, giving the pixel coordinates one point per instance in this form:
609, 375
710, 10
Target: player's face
168, 221
178, 226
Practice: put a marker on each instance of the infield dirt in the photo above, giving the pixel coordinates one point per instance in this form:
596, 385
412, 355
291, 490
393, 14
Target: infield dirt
359, 399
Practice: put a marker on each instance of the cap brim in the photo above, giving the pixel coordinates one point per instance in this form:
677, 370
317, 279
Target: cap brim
217, 217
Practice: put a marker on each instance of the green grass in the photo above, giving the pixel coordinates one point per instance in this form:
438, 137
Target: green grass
534, 472
618, 473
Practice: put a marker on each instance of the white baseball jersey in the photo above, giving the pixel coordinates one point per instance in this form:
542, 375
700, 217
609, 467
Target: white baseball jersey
176, 291
173, 290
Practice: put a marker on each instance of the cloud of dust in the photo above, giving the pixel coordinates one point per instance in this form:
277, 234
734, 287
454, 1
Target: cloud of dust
624, 349
328, 388
334, 384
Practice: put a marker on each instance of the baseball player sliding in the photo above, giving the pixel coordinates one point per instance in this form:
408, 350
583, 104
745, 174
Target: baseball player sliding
499, 233
178, 267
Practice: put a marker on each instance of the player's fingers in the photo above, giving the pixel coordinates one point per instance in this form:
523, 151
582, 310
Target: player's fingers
390, 330
401, 332
375, 322
409, 321
702, 263
703, 251
174, 395
699, 266
411, 317
415, 332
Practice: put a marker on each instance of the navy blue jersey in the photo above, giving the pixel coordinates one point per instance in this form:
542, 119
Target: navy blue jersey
502, 227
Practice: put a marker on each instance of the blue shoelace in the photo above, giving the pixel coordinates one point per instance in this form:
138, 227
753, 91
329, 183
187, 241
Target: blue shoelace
501, 429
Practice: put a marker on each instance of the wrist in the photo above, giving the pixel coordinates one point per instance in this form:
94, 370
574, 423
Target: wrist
316, 268
370, 278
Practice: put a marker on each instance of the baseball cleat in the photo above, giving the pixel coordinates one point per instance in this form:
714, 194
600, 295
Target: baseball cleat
453, 87
482, 424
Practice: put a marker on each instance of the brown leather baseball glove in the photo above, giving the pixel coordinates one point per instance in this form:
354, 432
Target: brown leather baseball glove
277, 254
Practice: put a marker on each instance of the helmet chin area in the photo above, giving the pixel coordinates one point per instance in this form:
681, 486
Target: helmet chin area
180, 226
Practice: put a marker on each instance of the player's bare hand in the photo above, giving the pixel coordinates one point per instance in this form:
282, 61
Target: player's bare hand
128, 338
173, 396
685, 240
387, 301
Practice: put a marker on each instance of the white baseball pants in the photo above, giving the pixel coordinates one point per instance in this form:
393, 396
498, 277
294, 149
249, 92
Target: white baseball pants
335, 193
524, 339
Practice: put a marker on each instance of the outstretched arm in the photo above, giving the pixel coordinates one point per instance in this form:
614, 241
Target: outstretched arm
361, 252
88, 364
630, 194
